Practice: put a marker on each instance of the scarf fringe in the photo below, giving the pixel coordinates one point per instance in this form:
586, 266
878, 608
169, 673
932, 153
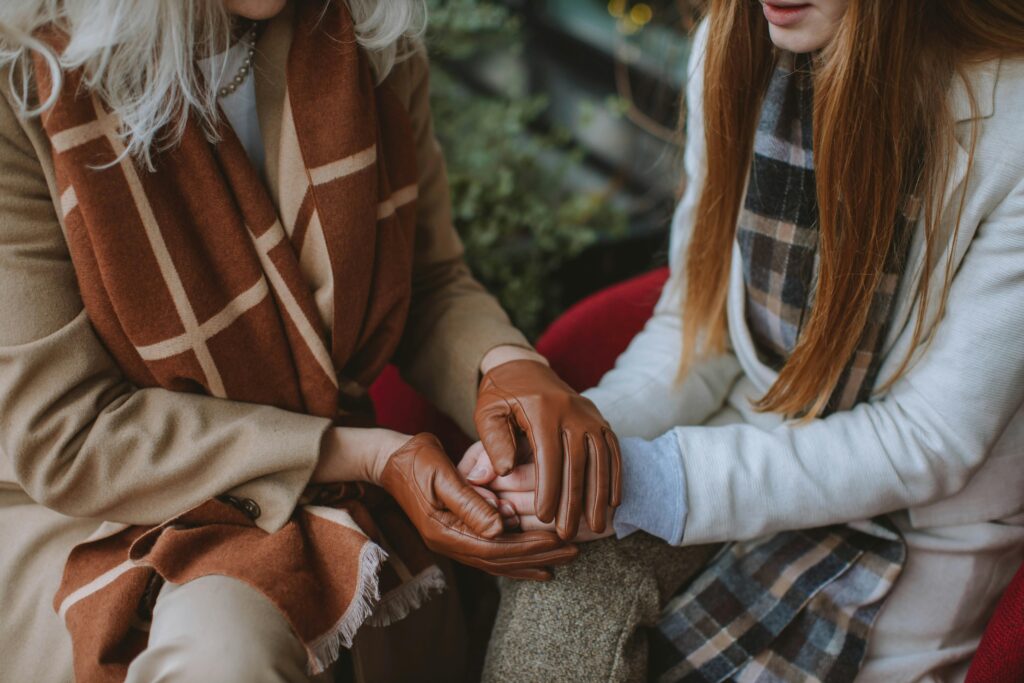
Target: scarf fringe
397, 604
324, 650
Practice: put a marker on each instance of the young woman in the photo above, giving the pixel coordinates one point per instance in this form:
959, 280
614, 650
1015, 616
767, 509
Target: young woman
845, 307
219, 220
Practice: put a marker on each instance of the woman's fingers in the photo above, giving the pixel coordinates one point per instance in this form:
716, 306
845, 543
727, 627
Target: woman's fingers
574, 465
598, 486
498, 435
465, 503
507, 510
545, 440
522, 478
476, 466
468, 460
520, 501
490, 496
532, 523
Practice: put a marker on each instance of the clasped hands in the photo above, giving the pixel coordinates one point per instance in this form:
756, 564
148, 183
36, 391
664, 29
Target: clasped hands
546, 457
570, 459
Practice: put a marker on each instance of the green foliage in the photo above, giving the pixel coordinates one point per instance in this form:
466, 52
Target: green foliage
513, 204
460, 28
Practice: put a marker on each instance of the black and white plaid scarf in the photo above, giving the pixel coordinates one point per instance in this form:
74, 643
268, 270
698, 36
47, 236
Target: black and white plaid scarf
798, 605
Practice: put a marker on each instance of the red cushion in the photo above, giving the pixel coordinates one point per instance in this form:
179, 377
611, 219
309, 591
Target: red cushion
1000, 655
403, 409
584, 342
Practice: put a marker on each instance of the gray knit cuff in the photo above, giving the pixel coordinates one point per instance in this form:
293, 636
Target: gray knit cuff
653, 489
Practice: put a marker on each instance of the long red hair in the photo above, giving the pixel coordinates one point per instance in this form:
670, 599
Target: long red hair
882, 132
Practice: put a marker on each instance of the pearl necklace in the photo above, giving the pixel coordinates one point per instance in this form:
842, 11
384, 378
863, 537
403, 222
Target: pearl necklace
248, 39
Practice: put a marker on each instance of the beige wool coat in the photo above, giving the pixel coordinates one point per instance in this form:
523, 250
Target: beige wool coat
79, 445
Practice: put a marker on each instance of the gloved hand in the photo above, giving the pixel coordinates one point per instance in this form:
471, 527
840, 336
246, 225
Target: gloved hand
454, 520
576, 452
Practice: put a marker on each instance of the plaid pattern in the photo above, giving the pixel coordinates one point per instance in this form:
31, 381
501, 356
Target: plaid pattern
798, 605
198, 280
793, 607
778, 235
777, 230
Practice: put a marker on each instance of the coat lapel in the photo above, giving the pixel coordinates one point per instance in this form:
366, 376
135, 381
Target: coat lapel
972, 97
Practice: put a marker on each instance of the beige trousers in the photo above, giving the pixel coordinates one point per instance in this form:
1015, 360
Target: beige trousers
219, 629
212, 622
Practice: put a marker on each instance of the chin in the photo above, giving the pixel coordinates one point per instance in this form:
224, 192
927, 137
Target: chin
797, 40
257, 10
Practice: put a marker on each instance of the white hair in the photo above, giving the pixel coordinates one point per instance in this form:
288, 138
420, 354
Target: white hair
139, 56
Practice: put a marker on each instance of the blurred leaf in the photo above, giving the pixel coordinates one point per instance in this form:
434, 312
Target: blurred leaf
518, 216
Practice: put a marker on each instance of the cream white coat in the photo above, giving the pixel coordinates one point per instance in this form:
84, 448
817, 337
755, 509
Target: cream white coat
943, 449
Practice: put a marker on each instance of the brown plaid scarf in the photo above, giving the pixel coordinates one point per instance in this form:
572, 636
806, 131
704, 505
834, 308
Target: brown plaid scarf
798, 605
193, 282
778, 237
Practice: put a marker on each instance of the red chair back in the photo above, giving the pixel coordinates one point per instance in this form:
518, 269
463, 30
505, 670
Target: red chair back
1000, 655
584, 342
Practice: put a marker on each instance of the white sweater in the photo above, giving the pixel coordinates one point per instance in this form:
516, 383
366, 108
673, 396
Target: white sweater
943, 448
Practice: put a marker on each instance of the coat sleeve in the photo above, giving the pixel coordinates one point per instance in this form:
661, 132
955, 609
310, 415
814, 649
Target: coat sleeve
453, 321
641, 396
76, 435
920, 443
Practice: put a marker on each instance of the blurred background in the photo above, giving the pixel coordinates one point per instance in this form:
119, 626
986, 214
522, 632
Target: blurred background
559, 120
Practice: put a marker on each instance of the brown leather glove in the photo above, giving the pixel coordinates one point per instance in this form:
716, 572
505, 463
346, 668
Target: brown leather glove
571, 442
454, 520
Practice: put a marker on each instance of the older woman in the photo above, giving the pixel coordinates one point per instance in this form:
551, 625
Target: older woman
219, 221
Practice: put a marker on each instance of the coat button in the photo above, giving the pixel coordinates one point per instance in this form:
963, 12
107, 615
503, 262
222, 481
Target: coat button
251, 508
230, 500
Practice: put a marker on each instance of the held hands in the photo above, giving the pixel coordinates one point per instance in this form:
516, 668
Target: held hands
513, 494
576, 455
449, 514
456, 521
575, 471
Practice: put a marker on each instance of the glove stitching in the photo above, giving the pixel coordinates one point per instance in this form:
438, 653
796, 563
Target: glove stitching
615, 453
510, 424
588, 438
569, 472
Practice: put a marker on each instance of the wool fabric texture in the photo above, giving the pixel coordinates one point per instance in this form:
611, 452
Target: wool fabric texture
193, 281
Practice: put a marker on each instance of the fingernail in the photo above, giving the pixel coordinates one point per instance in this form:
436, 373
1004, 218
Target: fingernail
479, 472
492, 503
506, 509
